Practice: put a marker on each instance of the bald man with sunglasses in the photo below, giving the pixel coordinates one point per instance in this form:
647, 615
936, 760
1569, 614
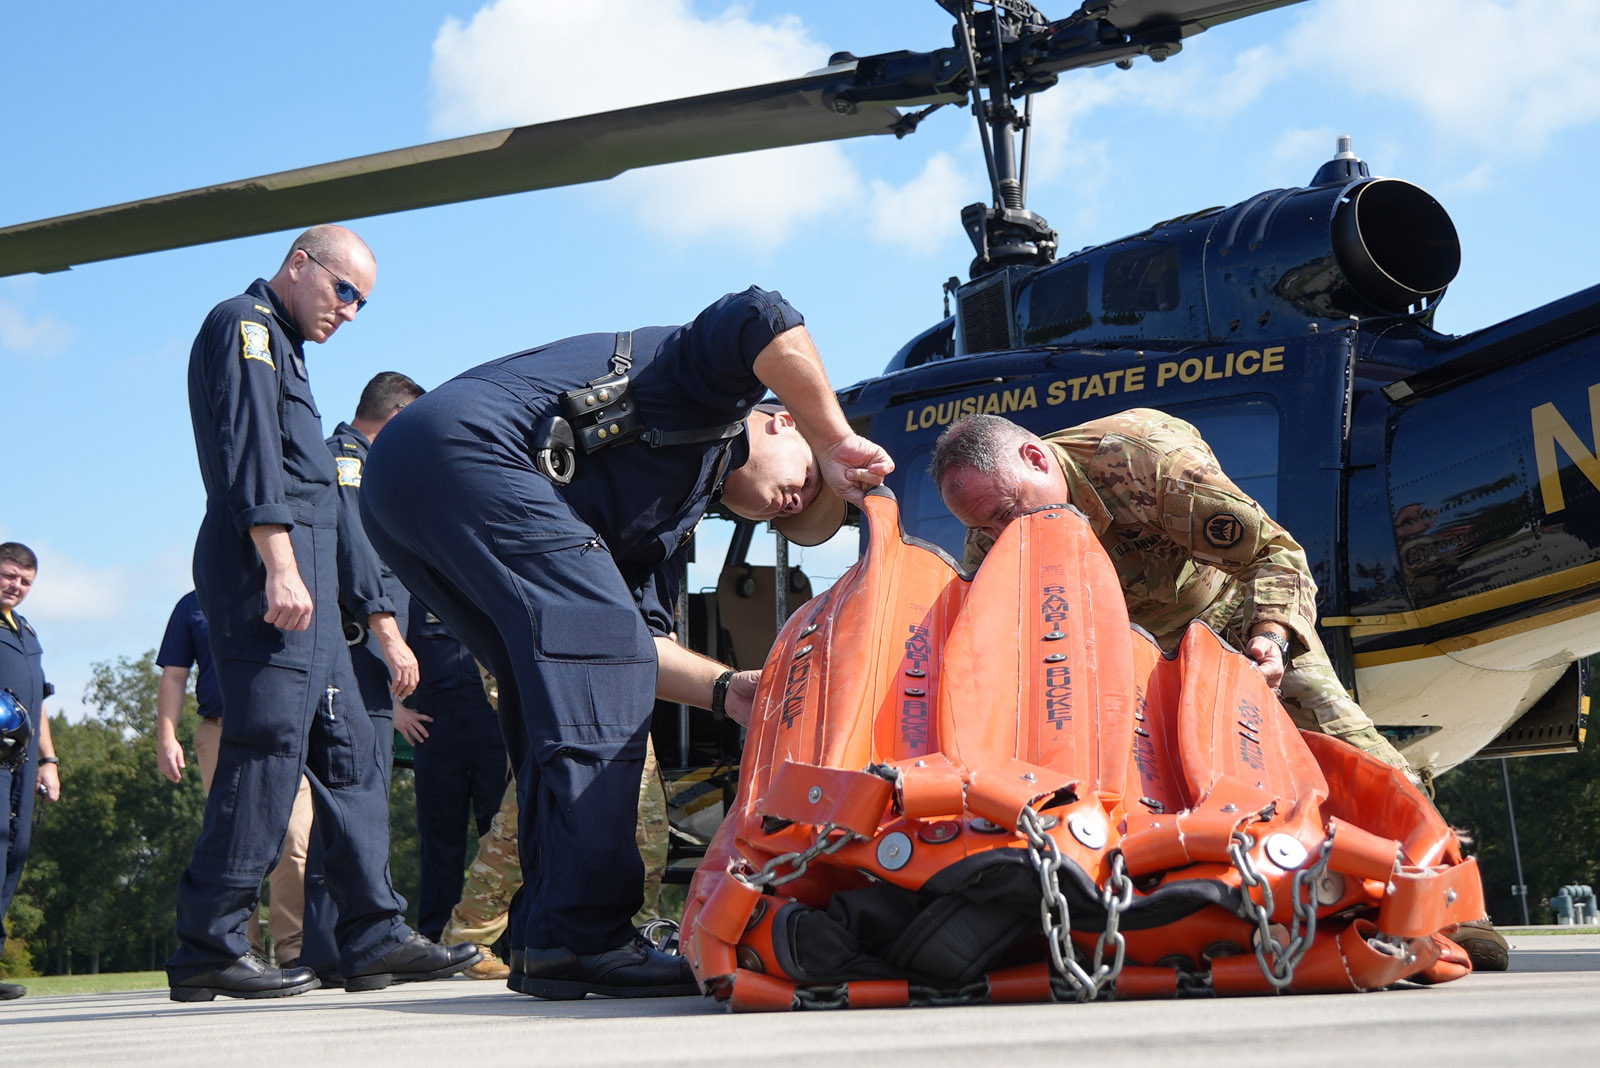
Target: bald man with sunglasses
267, 580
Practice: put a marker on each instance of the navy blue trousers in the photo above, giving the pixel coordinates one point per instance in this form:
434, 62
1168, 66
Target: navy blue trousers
16, 826
319, 946
491, 546
282, 721
461, 776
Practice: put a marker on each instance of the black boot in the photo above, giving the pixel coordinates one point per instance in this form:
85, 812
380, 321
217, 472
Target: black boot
412, 961
635, 969
248, 977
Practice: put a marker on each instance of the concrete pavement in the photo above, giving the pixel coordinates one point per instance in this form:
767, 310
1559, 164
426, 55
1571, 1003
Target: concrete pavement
1545, 1011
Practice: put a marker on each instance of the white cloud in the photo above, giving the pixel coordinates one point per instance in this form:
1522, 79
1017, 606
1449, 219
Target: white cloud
759, 198
86, 613
922, 214
42, 336
526, 61
1498, 75
1295, 150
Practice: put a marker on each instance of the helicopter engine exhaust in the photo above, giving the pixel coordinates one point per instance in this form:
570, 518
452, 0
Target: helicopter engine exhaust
1395, 243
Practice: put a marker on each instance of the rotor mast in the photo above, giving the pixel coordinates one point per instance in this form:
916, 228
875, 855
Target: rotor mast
1004, 232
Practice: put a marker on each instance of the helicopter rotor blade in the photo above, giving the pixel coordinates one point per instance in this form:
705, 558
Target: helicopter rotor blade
590, 148
850, 98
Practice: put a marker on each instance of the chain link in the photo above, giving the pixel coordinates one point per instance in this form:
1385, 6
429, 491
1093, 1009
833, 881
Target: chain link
1055, 917
825, 845
1279, 969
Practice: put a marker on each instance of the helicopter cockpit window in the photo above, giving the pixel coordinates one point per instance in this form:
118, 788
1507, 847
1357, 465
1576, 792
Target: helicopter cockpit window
922, 511
1055, 304
935, 343
1141, 279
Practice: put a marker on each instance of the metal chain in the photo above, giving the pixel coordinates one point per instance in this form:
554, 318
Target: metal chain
1117, 895
1055, 916
1279, 970
825, 845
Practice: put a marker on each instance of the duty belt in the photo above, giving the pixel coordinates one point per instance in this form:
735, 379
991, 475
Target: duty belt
602, 415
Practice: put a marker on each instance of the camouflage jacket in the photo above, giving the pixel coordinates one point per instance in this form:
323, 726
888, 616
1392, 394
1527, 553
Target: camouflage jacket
1185, 541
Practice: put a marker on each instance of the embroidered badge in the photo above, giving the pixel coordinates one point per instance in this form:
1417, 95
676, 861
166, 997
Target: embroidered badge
257, 342
349, 470
1224, 530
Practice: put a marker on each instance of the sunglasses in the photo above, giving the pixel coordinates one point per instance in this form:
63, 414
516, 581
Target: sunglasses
347, 293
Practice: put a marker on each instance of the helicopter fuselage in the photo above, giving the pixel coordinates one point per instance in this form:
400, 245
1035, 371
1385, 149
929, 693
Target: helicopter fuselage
1446, 489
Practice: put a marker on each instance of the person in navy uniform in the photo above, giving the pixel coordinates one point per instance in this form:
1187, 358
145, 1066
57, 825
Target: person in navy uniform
372, 608
38, 774
186, 645
372, 602
266, 574
566, 591
459, 764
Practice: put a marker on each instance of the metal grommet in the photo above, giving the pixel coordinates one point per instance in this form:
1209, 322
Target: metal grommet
1285, 850
1088, 828
894, 850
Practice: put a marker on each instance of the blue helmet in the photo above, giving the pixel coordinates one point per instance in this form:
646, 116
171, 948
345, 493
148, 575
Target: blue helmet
15, 730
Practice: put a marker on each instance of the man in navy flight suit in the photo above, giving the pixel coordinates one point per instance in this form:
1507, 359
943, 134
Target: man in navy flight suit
266, 576
372, 606
21, 673
460, 763
566, 591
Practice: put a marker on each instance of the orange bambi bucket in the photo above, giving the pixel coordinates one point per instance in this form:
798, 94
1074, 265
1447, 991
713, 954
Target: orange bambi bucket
990, 787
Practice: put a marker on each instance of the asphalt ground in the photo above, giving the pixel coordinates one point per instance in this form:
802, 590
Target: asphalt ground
1545, 1010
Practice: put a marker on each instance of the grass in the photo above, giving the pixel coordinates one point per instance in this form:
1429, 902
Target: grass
47, 986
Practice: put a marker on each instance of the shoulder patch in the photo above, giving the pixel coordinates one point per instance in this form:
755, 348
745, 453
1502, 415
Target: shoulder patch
1224, 530
349, 470
257, 342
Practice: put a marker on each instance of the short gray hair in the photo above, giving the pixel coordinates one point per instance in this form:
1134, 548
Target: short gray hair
980, 442
322, 242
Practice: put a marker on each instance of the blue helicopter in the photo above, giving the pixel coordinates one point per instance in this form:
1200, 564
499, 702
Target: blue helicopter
1459, 578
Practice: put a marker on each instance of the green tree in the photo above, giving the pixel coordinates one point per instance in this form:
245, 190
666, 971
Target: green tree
1557, 804
105, 861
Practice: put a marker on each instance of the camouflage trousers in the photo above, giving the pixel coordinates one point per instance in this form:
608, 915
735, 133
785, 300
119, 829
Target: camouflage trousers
1317, 701
496, 872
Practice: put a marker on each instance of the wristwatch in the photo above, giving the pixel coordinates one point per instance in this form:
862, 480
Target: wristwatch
1280, 641
719, 693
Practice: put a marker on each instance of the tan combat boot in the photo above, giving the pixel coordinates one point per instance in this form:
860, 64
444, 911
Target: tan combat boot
488, 967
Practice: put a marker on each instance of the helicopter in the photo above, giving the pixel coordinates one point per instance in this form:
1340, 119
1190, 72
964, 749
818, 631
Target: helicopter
1294, 329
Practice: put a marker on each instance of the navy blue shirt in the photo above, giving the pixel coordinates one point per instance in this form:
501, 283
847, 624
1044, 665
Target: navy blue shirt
366, 584
186, 644
643, 502
257, 430
22, 670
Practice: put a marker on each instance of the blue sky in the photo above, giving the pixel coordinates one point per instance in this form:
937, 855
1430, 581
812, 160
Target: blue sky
109, 102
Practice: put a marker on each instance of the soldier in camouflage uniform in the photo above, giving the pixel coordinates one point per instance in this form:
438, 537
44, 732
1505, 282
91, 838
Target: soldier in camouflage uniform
1186, 543
496, 872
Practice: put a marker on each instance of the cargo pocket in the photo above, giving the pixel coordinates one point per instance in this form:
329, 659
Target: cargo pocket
572, 620
340, 742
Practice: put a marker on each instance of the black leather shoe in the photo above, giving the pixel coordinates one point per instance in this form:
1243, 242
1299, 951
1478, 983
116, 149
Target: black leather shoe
634, 970
413, 961
328, 977
11, 991
516, 980
247, 977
